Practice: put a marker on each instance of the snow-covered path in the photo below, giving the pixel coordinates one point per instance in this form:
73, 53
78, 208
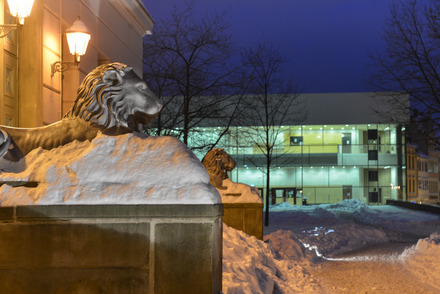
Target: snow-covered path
370, 270
355, 249
369, 277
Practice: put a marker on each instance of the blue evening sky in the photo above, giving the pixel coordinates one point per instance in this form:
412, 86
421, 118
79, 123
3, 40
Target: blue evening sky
325, 41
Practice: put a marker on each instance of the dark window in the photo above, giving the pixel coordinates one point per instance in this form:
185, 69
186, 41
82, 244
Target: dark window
373, 175
373, 197
372, 134
295, 141
372, 154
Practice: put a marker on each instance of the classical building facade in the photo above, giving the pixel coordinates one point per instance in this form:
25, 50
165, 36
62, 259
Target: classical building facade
422, 168
31, 95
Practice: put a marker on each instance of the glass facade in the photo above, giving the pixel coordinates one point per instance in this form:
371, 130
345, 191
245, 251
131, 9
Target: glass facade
323, 163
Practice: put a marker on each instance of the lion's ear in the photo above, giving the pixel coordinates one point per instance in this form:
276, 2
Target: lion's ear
112, 77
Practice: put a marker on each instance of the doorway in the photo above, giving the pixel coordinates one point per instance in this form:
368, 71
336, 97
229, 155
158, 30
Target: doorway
347, 192
346, 142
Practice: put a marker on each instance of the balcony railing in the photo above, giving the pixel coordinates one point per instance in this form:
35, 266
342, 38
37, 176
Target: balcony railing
316, 149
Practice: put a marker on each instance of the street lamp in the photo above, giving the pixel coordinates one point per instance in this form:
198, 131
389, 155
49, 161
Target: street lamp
78, 37
19, 9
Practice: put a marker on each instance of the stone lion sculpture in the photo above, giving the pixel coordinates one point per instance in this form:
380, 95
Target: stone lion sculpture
217, 162
112, 99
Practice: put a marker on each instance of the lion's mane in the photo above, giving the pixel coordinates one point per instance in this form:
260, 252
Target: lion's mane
108, 110
217, 162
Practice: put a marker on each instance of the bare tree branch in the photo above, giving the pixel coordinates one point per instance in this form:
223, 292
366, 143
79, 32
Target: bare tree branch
266, 108
411, 62
187, 62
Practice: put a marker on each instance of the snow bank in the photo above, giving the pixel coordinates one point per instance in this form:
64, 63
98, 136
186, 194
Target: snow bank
282, 265
126, 169
423, 259
239, 193
343, 238
349, 225
254, 266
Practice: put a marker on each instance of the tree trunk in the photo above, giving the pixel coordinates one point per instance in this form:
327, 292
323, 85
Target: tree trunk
185, 120
268, 194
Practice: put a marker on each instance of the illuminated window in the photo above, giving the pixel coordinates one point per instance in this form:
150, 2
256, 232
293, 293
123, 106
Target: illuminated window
295, 141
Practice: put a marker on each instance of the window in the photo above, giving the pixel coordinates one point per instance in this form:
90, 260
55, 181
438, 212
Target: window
432, 187
373, 197
373, 175
372, 154
372, 134
295, 141
423, 185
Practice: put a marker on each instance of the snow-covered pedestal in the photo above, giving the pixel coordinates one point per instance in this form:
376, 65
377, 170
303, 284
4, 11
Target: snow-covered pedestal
125, 214
243, 208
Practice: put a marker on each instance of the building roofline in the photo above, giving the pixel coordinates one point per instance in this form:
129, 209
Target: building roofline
135, 14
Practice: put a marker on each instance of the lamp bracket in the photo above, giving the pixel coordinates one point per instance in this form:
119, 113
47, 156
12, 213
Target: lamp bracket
5, 29
61, 66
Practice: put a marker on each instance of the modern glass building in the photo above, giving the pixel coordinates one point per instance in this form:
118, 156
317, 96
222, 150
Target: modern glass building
349, 146
328, 163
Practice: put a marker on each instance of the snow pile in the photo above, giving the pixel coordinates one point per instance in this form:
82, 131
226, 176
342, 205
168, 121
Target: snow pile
344, 238
399, 219
126, 169
288, 246
239, 193
282, 264
332, 228
254, 266
423, 259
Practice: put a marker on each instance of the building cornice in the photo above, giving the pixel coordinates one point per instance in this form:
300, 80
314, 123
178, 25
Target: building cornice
135, 14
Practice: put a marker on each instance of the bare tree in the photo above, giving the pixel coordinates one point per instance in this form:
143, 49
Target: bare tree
269, 105
187, 62
411, 61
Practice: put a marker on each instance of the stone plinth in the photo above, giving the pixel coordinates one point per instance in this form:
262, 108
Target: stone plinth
247, 217
111, 249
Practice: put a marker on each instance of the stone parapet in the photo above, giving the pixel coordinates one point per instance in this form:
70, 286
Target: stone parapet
111, 249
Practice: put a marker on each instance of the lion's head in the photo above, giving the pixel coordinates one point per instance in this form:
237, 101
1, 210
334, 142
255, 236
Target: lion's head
217, 162
114, 98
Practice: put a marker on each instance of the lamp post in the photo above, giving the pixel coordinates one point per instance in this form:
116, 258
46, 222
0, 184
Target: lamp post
19, 9
78, 37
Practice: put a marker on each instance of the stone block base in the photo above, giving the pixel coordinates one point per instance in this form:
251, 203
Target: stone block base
111, 249
247, 217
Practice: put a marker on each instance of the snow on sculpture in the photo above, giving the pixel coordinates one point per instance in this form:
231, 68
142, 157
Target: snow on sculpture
218, 162
126, 169
112, 99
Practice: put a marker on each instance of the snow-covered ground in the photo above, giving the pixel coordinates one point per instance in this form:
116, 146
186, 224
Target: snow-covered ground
307, 249
317, 249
